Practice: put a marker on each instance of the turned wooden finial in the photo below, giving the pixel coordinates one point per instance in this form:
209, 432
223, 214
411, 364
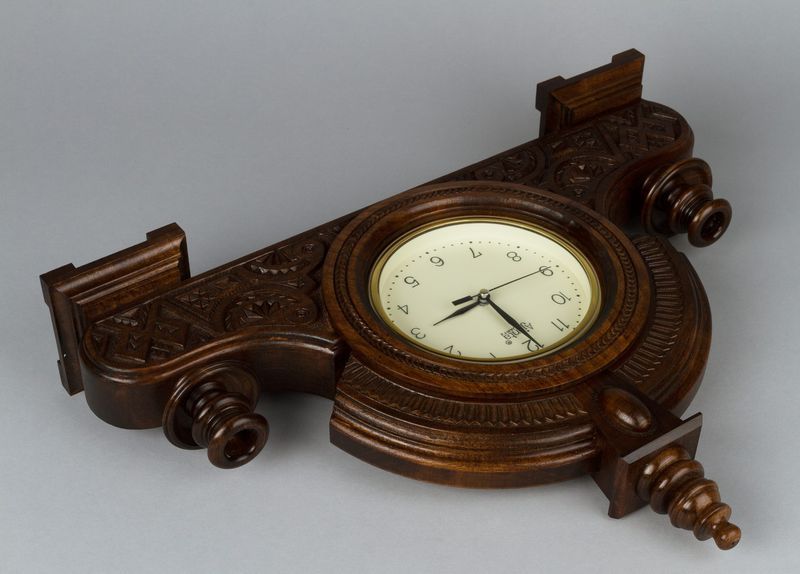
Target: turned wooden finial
674, 484
678, 199
213, 409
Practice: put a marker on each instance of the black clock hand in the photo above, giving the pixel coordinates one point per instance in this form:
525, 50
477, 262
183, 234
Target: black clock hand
458, 312
511, 321
468, 297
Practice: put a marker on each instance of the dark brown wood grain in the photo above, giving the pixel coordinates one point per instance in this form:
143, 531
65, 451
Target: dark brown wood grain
565, 103
612, 172
516, 423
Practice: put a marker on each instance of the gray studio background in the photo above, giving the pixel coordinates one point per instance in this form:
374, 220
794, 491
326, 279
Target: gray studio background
247, 122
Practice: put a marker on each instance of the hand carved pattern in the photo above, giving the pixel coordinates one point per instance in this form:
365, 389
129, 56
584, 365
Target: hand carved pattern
270, 307
361, 383
573, 162
275, 287
668, 316
575, 175
512, 167
289, 261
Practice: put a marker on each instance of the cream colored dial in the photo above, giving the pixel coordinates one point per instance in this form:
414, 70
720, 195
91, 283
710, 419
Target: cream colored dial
485, 289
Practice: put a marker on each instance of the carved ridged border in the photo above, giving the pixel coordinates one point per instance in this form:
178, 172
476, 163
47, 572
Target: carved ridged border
360, 382
668, 314
353, 236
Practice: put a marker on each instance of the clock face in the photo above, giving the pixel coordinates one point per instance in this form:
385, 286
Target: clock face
485, 289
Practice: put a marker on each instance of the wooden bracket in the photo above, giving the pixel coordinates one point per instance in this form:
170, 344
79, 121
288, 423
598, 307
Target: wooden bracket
568, 102
78, 297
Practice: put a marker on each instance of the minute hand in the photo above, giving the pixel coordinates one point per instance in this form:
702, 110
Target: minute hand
468, 297
513, 322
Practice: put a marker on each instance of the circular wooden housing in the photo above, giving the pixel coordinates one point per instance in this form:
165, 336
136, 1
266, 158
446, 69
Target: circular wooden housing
482, 424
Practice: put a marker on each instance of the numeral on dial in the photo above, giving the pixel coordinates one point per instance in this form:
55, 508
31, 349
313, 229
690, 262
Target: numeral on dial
560, 325
559, 298
533, 345
474, 253
403, 308
417, 333
411, 281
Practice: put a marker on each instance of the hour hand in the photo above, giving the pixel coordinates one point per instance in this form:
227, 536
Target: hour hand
460, 311
463, 299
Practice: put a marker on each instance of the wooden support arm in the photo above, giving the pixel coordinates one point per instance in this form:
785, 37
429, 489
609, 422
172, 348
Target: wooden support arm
676, 196
150, 346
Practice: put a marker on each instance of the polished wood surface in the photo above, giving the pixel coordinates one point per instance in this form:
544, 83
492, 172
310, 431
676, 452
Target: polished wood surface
151, 346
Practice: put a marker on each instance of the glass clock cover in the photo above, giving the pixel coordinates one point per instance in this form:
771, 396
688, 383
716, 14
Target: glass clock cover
485, 289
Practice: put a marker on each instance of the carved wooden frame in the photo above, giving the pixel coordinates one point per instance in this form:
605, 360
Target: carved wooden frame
152, 346
622, 274
391, 390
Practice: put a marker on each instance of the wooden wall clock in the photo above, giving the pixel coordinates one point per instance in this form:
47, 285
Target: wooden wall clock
520, 321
